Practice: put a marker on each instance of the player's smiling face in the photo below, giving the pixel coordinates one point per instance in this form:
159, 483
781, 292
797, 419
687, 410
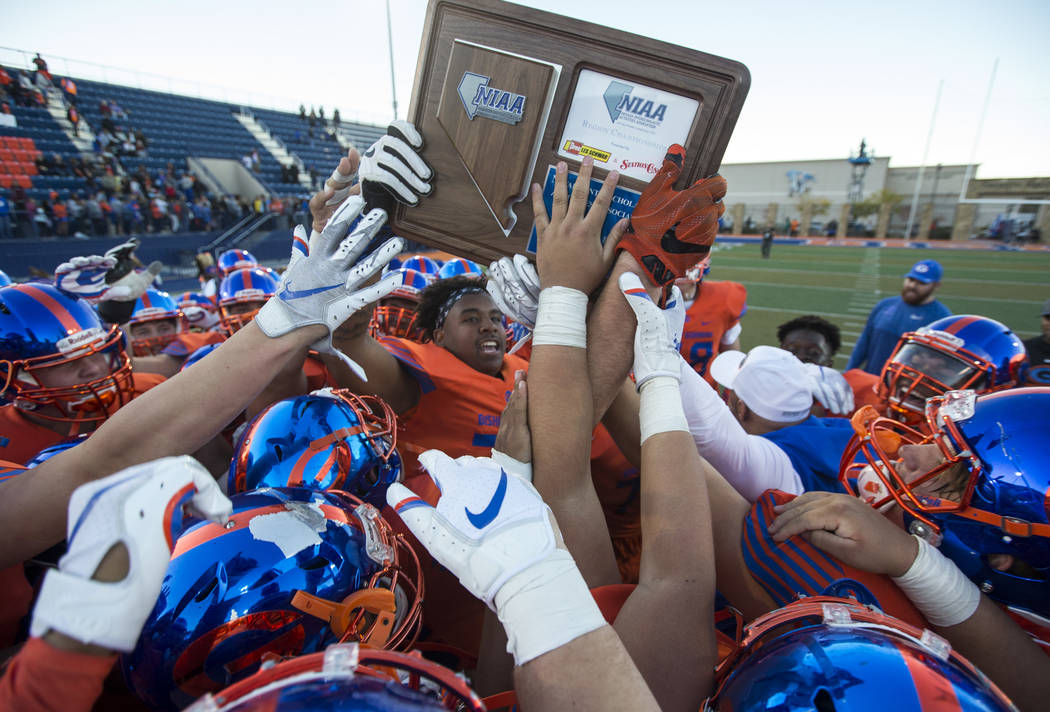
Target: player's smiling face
473, 331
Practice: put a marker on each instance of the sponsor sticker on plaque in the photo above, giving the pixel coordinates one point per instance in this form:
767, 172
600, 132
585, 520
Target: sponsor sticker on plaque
622, 205
624, 125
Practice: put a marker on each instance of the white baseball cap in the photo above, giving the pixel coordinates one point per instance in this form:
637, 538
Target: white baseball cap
772, 382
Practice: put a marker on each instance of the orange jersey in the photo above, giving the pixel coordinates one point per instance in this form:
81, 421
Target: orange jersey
42, 677
864, 385
718, 307
458, 411
21, 438
618, 483
188, 342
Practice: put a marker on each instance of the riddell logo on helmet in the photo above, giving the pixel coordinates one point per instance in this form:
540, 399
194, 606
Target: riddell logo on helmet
80, 339
650, 168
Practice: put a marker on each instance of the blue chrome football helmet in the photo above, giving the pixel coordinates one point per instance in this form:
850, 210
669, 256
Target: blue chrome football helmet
422, 264
4, 279
198, 355
328, 439
396, 313
51, 450
235, 259
994, 479
153, 306
347, 678
242, 294
953, 353
458, 266
42, 327
826, 653
292, 572
199, 313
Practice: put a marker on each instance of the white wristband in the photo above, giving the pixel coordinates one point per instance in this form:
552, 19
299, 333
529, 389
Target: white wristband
938, 588
562, 318
513, 465
661, 407
545, 607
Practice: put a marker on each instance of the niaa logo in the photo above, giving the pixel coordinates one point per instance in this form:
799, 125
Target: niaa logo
619, 102
480, 99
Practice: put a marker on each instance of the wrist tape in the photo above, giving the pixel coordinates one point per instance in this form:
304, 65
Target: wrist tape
545, 607
661, 407
562, 318
513, 465
938, 588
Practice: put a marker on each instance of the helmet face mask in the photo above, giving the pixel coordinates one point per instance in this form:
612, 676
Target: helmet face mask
199, 313
832, 653
347, 676
57, 361
242, 294
985, 497
155, 323
953, 353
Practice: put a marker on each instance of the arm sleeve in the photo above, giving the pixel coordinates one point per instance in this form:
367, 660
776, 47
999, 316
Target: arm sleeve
860, 349
750, 463
42, 678
732, 334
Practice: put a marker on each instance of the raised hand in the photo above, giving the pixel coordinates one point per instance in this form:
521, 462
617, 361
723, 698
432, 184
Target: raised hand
569, 250
671, 230
140, 509
848, 529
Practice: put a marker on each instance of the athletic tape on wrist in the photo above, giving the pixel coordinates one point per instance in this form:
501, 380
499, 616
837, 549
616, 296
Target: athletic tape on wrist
513, 465
938, 588
545, 607
562, 318
661, 407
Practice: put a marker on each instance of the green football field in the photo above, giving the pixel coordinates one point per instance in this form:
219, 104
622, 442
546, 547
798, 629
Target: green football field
843, 283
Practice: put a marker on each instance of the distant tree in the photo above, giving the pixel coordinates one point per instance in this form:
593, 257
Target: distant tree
816, 206
871, 204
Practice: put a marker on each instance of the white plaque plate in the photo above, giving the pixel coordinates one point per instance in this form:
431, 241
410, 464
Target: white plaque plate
623, 125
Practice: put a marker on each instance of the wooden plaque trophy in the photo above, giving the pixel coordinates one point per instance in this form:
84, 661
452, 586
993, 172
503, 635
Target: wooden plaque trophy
503, 92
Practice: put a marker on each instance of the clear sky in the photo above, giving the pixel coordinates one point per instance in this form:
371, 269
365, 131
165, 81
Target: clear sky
824, 73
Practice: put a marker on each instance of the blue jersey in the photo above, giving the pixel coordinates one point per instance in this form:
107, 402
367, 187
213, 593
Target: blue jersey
815, 447
890, 318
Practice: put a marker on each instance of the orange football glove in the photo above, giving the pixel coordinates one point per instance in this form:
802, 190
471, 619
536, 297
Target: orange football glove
671, 230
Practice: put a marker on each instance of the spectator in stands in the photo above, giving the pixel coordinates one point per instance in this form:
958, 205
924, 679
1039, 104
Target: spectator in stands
313, 119
60, 213
74, 118
256, 161
94, 216
246, 160
5, 216
41, 66
41, 222
116, 213
335, 119
69, 90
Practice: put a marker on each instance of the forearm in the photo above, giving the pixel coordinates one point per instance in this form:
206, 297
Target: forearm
610, 351
621, 420
752, 464
1004, 652
177, 417
592, 672
560, 421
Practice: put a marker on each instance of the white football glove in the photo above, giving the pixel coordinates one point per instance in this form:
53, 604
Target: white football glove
494, 532
134, 507
655, 350
86, 277
514, 286
325, 278
392, 169
830, 388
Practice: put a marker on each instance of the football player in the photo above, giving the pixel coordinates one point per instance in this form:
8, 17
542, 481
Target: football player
712, 317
